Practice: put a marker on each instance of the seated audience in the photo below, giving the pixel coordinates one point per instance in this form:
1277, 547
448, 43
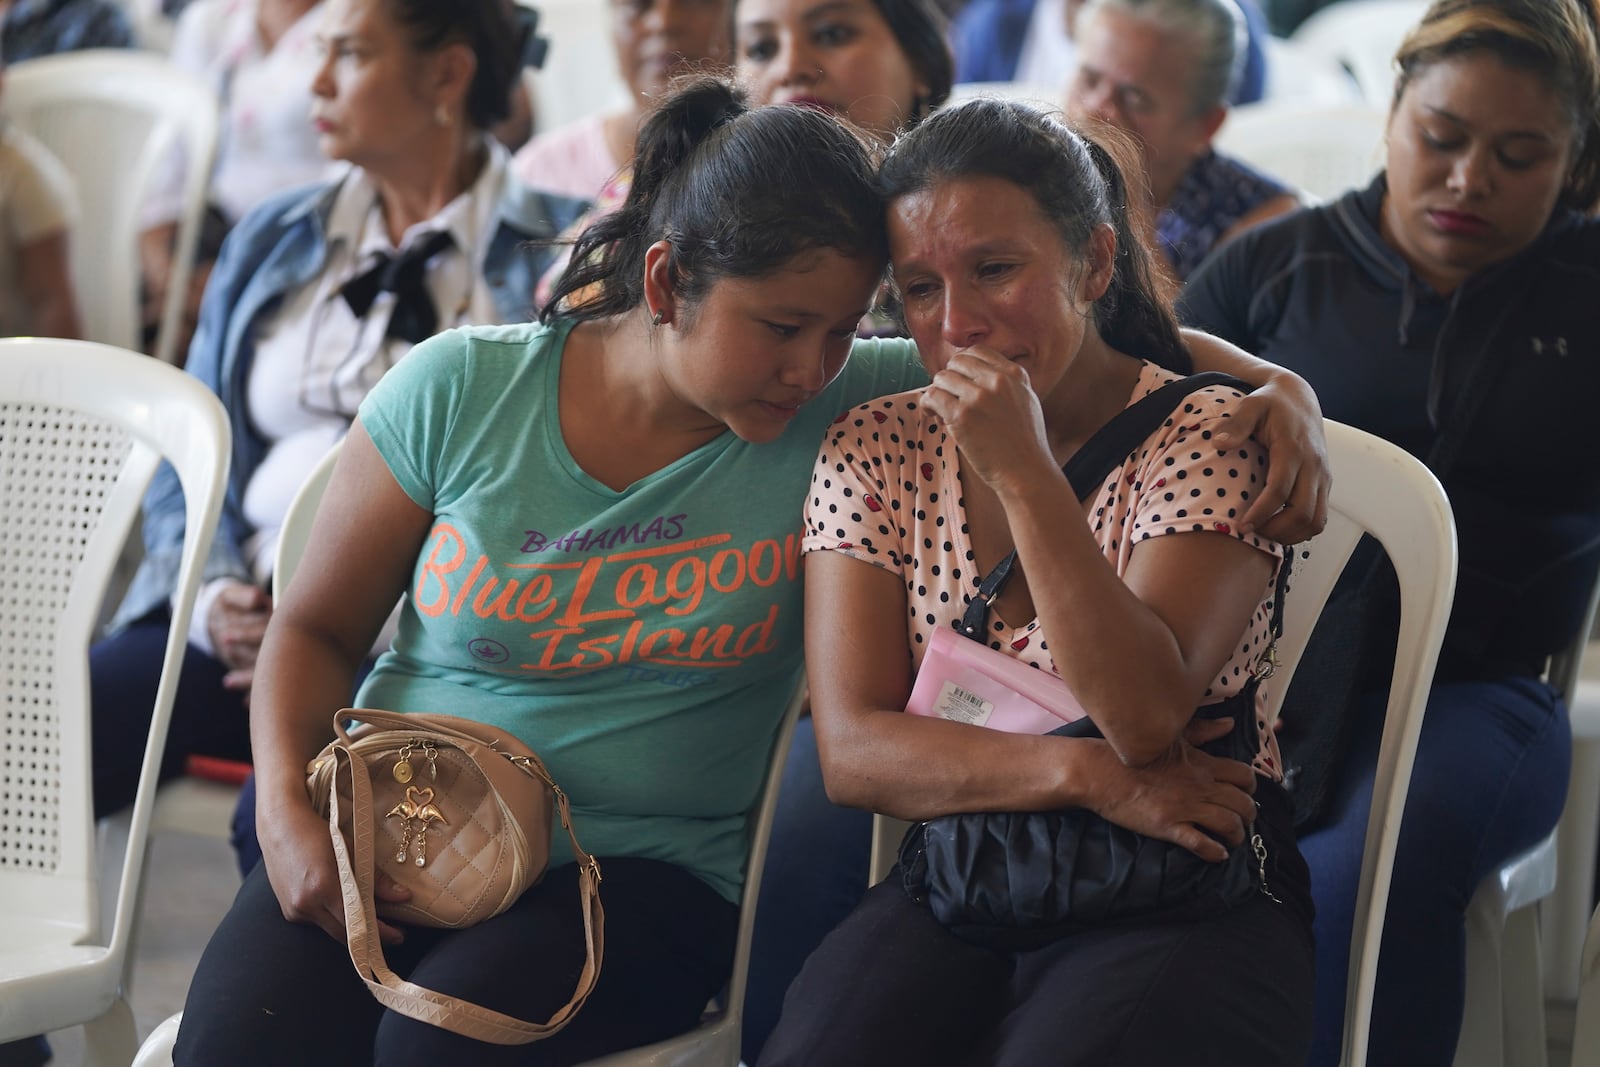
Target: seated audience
1450, 307
1161, 70
317, 293
1030, 295
1032, 43
37, 209
33, 28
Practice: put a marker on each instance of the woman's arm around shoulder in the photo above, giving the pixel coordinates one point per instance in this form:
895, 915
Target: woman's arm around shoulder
363, 545
1284, 415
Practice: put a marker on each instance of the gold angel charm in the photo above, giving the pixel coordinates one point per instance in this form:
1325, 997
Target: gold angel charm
417, 808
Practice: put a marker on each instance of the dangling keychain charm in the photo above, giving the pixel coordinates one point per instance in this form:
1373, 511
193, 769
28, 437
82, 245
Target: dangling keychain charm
402, 769
416, 811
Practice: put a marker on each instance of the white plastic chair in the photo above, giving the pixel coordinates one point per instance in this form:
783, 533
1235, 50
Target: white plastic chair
1322, 151
82, 429
1300, 76
1378, 489
1586, 1031
1566, 914
108, 115
715, 1042
1504, 1021
1362, 36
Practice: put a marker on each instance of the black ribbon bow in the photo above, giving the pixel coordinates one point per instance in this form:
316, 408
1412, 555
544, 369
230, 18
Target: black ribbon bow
404, 274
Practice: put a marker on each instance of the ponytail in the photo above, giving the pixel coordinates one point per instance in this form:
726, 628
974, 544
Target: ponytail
1135, 312
736, 191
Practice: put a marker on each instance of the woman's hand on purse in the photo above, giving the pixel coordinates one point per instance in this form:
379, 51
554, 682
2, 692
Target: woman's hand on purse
305, 877
1188, 797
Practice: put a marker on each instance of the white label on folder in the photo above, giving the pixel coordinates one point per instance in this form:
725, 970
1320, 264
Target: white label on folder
962, 705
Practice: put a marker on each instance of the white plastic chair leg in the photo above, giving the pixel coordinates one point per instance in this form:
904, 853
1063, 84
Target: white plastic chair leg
1503, 1025
112, 1039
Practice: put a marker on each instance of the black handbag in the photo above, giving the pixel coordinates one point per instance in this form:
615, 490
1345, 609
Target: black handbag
1018, 880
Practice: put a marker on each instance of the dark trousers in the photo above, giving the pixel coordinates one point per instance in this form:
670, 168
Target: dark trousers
1490, 781
124, 672
271, 992
816, 873
891, 985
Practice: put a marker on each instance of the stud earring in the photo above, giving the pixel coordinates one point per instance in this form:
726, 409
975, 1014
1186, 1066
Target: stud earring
658, 318
441, 115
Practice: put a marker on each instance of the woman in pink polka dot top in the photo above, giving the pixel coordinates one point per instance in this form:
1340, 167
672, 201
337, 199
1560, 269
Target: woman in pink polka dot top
1038, 314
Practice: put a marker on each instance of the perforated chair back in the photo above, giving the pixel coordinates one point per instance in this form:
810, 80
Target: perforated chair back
1322, 151
109, 116
1381, 490
83, 427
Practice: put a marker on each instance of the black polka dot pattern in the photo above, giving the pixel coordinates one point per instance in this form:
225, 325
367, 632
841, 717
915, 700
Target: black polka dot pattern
883, 488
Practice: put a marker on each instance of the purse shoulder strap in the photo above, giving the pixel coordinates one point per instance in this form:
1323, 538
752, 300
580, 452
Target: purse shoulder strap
459, 1016
1086, 471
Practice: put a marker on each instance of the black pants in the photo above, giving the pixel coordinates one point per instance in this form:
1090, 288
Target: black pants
271, 992
124, 672
891, 985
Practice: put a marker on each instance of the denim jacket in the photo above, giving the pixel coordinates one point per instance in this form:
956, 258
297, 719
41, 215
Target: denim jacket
274, 250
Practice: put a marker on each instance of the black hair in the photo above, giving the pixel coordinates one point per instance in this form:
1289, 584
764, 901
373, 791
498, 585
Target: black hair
737, 192
1078, 183
921, 28
495, 32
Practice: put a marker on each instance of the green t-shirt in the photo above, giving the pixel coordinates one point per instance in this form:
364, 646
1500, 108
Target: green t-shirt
643, 642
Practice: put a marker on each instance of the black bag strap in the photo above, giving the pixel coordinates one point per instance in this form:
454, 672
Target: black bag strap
1086, 471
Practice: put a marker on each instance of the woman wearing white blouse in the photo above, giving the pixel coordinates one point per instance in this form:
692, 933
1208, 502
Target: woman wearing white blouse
316, 293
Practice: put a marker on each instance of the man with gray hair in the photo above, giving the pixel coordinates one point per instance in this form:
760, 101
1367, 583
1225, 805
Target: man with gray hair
1162, 70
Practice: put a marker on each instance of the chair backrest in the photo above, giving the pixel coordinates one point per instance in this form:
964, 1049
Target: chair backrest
1380, 490
295, 532
109, 116
1362, 36
83, 427
1301, 76
1321, 151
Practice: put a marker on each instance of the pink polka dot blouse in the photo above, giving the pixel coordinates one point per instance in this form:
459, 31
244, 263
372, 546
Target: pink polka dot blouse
886, 490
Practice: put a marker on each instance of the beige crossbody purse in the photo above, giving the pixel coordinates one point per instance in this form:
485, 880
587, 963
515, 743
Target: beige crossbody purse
459, 813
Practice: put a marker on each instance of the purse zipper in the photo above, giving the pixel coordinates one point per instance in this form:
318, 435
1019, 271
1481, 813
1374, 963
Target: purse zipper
1259, 847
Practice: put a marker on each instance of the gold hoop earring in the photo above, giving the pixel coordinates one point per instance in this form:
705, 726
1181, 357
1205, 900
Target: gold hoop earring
658, 318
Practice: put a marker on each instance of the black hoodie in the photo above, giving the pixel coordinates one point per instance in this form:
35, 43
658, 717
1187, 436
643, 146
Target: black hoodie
1496, 386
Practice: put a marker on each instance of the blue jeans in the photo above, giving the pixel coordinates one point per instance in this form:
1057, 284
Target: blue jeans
1489, 783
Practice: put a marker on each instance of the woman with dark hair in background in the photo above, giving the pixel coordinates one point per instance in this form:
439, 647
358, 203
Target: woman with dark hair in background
882, 64
1032, 300
317, 293
1450, 307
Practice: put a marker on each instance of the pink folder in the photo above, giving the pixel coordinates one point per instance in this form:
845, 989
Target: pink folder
965, 681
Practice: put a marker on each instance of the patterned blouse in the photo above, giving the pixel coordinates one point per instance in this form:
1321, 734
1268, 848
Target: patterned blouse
886, 490
1215, 194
